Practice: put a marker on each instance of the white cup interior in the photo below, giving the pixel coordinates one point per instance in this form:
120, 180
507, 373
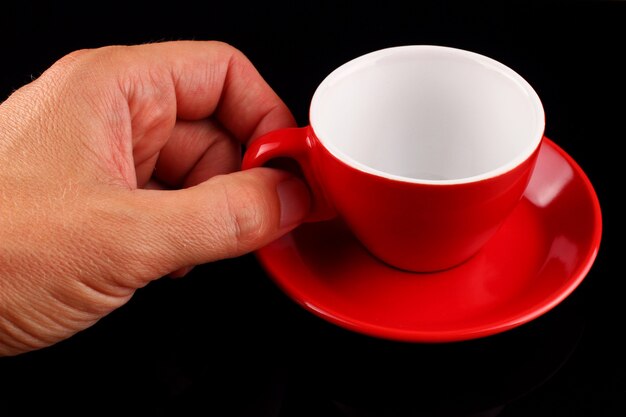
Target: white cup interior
427, 114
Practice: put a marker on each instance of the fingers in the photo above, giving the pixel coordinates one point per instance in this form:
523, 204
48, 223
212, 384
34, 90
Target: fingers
183, 108
226, 216
215, 78
195, 152
124, 102
204, 78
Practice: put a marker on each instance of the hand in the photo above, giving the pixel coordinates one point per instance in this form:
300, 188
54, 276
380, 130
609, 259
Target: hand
119, 165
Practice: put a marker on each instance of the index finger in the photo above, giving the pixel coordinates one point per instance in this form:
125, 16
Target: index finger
216, 78
209, 78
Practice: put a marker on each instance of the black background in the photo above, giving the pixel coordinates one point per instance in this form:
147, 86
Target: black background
225, 341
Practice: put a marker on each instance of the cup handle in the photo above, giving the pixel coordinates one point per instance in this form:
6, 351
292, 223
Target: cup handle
296, 144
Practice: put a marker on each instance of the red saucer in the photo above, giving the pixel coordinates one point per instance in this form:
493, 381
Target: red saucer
538, 257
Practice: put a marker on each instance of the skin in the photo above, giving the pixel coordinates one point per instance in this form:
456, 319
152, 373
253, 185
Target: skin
120, 165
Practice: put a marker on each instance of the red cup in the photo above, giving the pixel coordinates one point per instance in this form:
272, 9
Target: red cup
422, 150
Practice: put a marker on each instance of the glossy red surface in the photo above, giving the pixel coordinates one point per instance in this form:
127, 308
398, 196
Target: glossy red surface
536, 259
416, 226
421, 227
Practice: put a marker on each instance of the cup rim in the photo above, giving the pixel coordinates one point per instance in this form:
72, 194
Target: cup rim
369, 58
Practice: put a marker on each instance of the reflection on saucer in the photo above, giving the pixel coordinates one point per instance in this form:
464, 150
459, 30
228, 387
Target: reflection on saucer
360, 376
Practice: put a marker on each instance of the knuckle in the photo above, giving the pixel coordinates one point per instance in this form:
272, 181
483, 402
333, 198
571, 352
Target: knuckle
223, 45
247, 220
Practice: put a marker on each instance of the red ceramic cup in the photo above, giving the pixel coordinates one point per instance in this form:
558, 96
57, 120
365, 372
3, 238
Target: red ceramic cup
422, 150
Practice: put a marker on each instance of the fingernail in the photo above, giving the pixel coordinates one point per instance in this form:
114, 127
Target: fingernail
294, 201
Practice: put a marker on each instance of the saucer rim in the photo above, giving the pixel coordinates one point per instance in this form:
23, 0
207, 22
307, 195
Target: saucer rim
546, 304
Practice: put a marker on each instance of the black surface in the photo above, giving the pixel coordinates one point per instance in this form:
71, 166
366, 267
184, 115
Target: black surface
225, 341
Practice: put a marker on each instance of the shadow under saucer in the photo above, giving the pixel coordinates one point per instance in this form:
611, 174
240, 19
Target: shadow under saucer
359, 376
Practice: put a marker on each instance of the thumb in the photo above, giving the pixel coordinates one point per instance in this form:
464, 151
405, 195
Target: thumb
223, 217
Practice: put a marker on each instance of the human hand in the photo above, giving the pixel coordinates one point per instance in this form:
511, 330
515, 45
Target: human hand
117, 167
